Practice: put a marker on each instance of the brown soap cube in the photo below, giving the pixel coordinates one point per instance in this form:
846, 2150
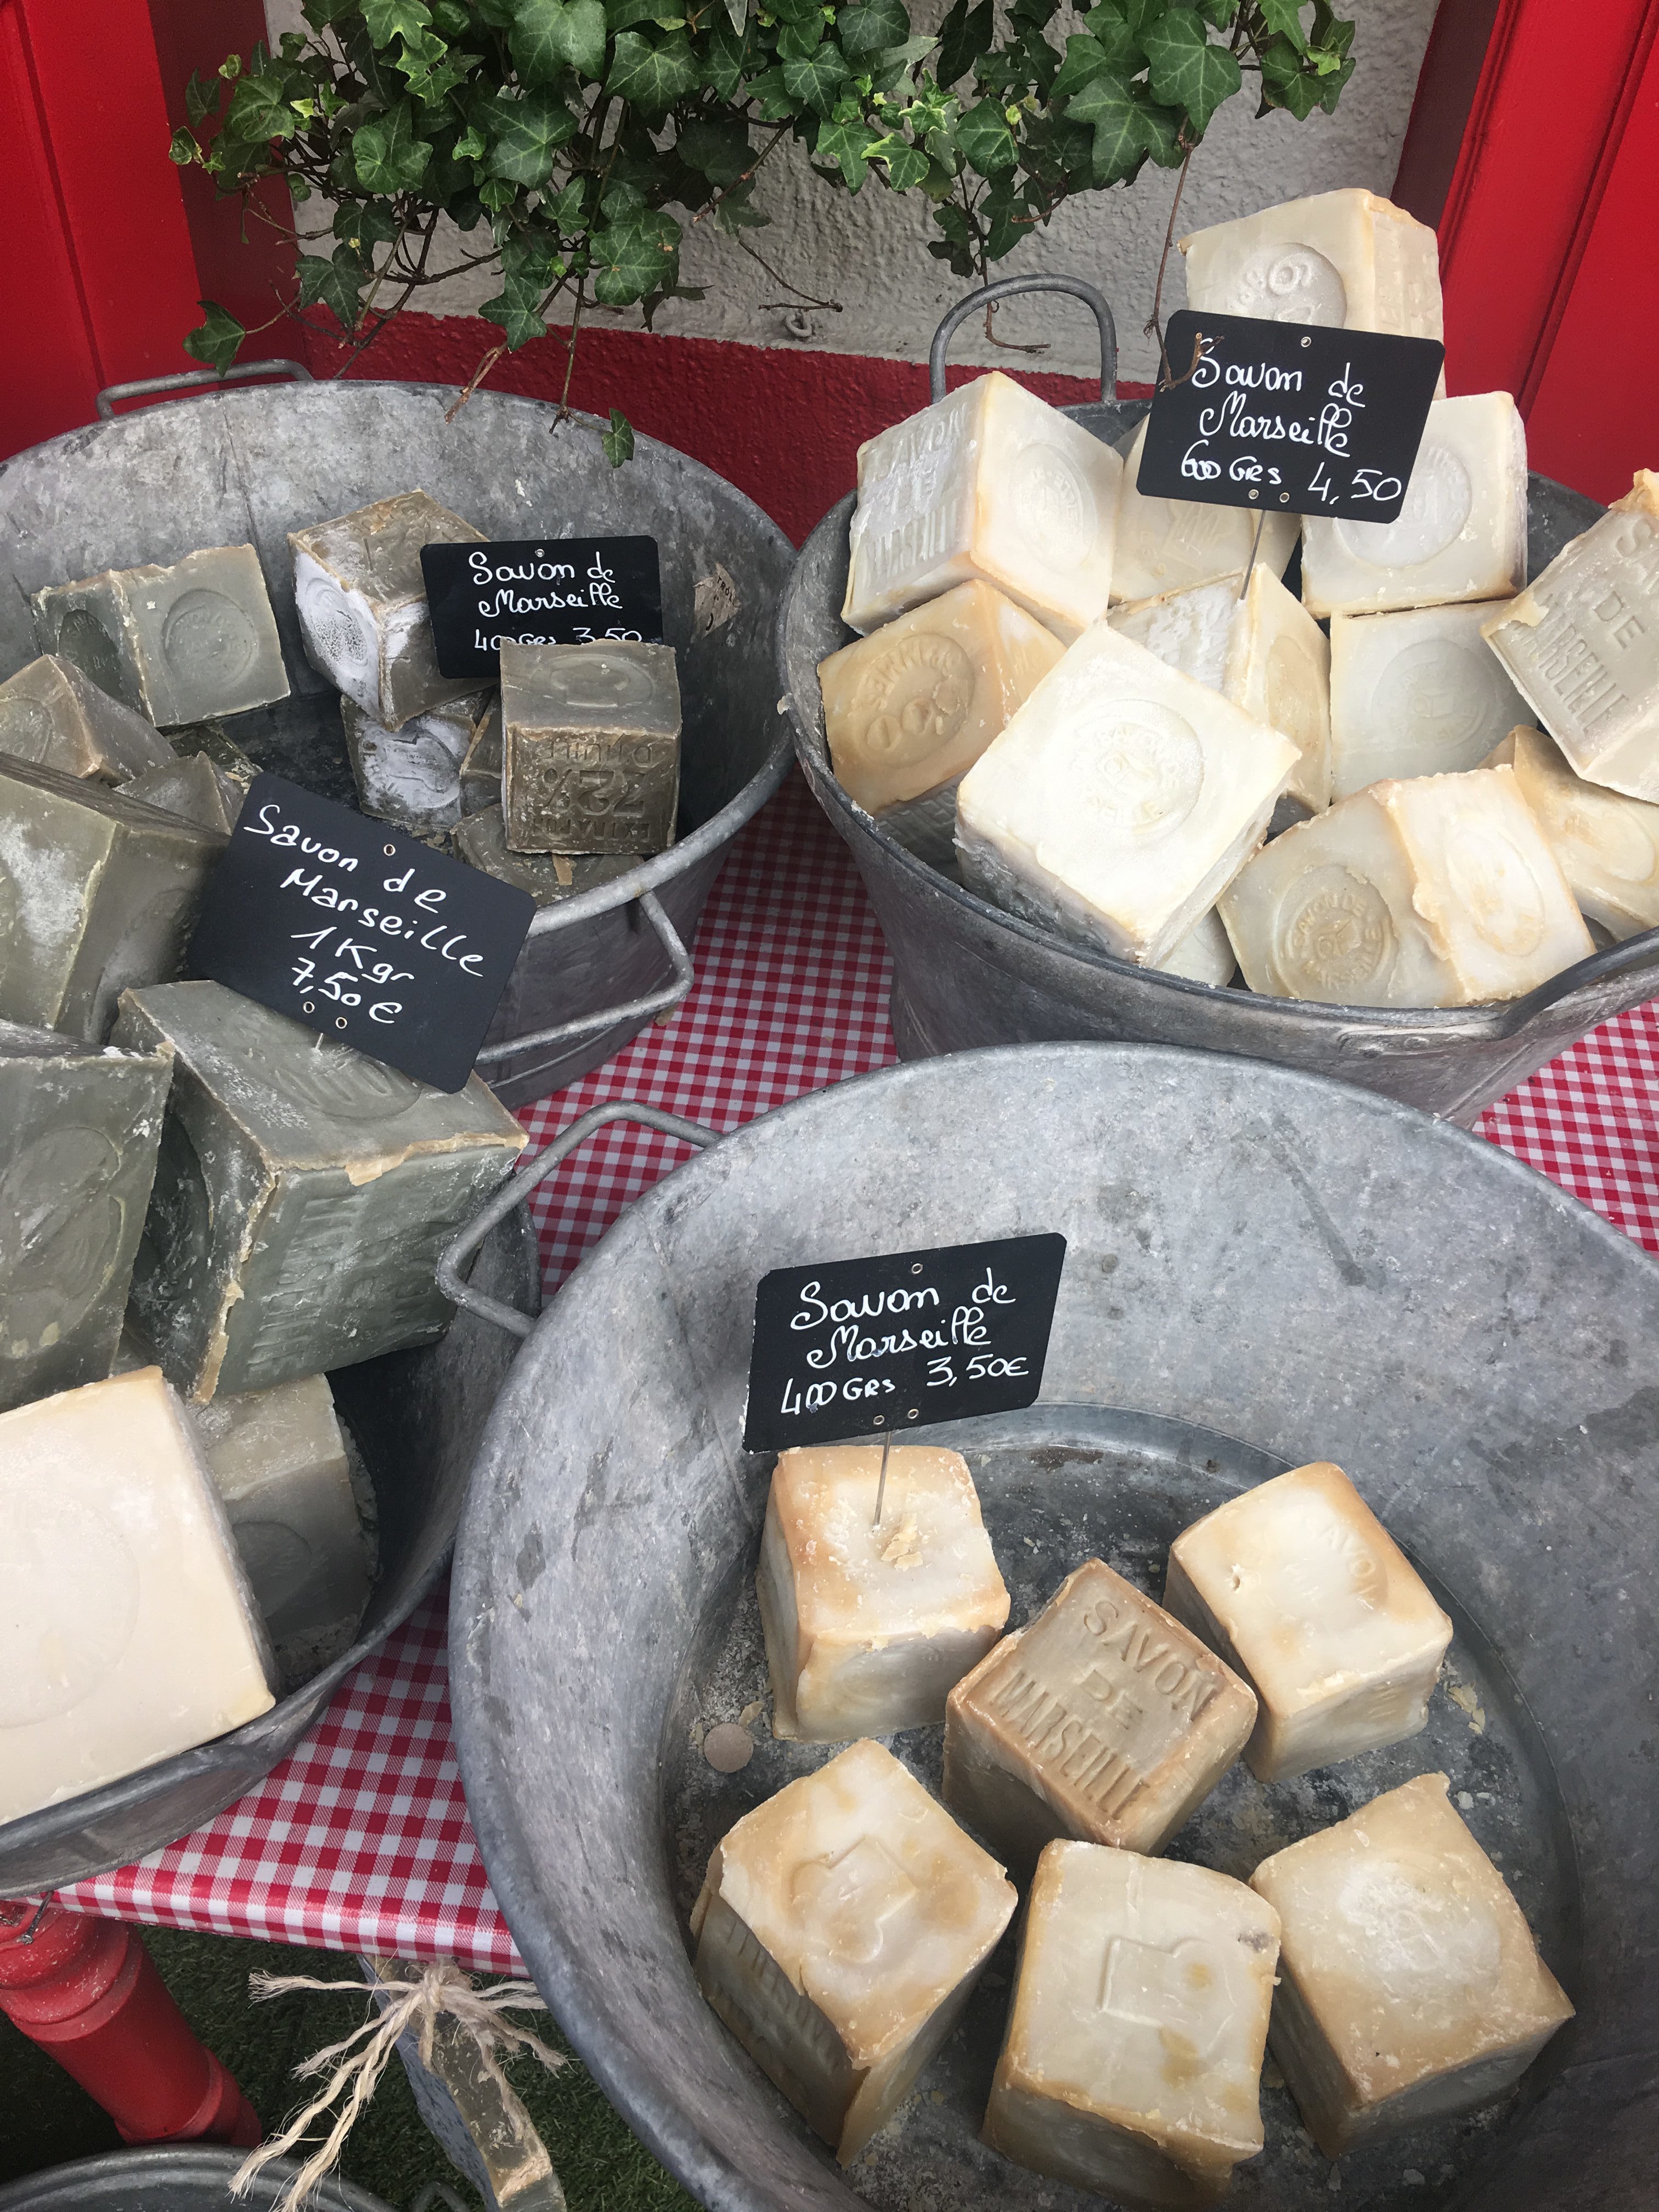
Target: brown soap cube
481, 840
53, 715
209, 738
590, 748
196, 788
1104, 1720
481, 771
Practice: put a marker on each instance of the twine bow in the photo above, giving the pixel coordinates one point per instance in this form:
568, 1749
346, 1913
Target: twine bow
358, 2061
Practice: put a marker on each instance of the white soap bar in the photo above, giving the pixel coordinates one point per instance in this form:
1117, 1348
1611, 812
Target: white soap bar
1410, 1985
1120, 801
127, 1629
1349, 261
1103, 1719
412, 775
1204, 954
1607, 845
908, 711
1170, 544
1190, 630
1132, 2062
1462, 533
868, 1628
1298, 1586
991, 483
280, 1462
1440, 891
1419, 692
839, 1931
1581, 642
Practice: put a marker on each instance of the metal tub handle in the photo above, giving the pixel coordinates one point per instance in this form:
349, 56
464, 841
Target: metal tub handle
519, 1187
191, 380
1630, 958
654, 1002
1004, 288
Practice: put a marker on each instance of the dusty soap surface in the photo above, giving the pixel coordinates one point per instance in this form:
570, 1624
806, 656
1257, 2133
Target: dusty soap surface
590, 747
1133, 2059
53, 715
839, 1932
196, 787
127, 1629
1349, 260
868, 1627
1607, 845
1418, 692
1409, 1987
1301, 1588
412, 775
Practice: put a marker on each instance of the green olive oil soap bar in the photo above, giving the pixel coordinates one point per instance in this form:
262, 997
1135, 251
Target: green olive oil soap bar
175, 643
590, 747
196, 787
53, 715
481, 841
303, 1195
840, 1931
127, 1630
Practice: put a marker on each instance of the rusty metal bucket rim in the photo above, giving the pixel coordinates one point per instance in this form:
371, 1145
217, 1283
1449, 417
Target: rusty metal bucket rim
1500, 1018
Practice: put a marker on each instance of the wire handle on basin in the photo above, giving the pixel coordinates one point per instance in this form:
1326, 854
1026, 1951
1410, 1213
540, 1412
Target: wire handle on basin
654, 1002
519, 1187
1630, 958
1004, 288
193, 379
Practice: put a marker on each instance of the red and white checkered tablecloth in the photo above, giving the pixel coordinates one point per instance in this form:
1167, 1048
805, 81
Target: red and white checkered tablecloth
360, 1841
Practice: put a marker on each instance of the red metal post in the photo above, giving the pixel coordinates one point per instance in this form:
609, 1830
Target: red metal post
88, 1992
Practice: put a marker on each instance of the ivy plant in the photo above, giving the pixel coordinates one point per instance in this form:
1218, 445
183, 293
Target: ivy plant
571, 143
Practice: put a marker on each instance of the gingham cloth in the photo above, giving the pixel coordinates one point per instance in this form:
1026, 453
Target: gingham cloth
360, 1841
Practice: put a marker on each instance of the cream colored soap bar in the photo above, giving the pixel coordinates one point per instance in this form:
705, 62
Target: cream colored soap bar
1348, 260
1171, 544
53, 715
1441, 891
1607, 845
1300, 1587
909, 709
1581, 643
1204, 954
1460, 535
127, 1629
1103, 1719
991, 483
841, 1926
1414, 693
868, 1628
1132, 2062
1410, 1986
1120, 801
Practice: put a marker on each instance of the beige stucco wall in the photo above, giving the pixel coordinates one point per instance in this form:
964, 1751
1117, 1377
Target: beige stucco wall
868, 254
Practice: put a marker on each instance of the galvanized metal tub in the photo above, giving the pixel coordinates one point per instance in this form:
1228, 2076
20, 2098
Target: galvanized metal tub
966, 974
417, 1417
171, 2177
246, 466
1263, 1267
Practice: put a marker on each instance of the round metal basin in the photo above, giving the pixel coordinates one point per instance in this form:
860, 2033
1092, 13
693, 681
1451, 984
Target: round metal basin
171, 2177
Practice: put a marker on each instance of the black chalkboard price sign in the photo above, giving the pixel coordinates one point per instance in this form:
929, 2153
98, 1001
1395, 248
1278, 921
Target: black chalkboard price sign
1288, 419
857, 1347
542, 591
364, 934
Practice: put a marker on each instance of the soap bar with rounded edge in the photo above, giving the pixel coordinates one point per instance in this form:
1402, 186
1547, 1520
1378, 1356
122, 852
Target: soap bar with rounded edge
590, 747
176, 643
1298, 1586
303, 1195
481, 841
1103, 1719
840, 1931
127, 1629
79, 1129
197, 787
1204, 954
412, 775
1607, 845
1418, 692
1460, 535
868, 1627
1171, 544
1410, 1989
990, 482
360, 597
1130, 2064
1347, 260
1582, 644
54, 716
908, 710
97, 890
1439, 892
1120, 801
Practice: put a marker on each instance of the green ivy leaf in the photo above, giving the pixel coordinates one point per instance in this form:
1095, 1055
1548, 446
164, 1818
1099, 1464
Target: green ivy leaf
395, 19
216, 338
336, 284
532, 131
451, 18
1106, 27
201, 96
565, 208
796, 40
618, 439
549, 35
364, 224
623, 15
388, 154
718, 151
906, 165
1284, 19
517, 311
847, 145
816, 78
183, 150
1119, 127
259, 111
987, 142
1163, 127
965, 35
872, 28
1086, 57
634, 256
652, 78
724, 59
891, 67
1187, 70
